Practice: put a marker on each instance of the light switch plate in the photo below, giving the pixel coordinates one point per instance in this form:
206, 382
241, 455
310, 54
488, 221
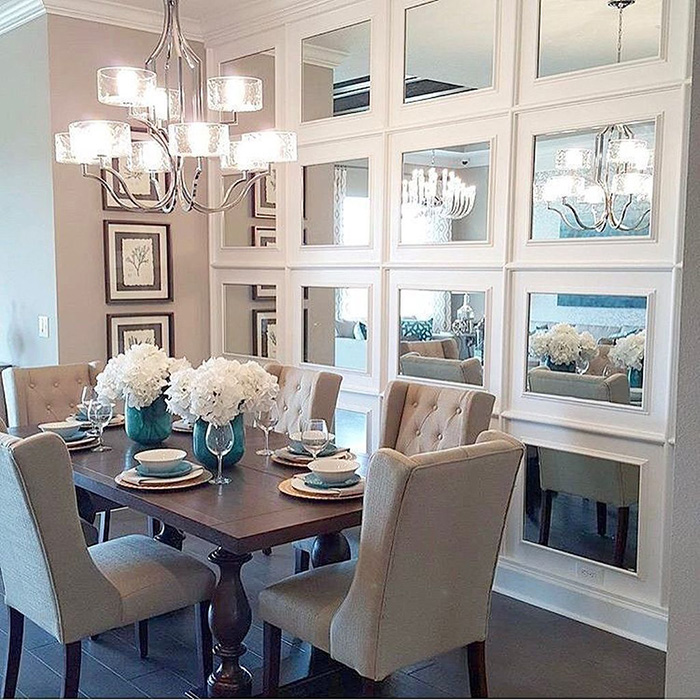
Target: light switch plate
43, 326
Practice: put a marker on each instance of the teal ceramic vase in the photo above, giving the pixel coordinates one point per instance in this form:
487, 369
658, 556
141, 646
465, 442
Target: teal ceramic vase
149, 425
636, 377
201, 451
570, 367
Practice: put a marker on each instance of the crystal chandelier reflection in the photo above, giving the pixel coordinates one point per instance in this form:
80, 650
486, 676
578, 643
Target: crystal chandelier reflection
159, 98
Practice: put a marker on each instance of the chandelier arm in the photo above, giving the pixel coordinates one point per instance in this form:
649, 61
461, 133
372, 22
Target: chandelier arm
137, 205
167, 18
127, 192
226, 203
579, 221
637, 225
617, 222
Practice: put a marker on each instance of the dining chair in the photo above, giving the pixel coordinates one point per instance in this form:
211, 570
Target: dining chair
420, 418
44, 394
613, 389
447, 348
421, 584
469, 371
69, 590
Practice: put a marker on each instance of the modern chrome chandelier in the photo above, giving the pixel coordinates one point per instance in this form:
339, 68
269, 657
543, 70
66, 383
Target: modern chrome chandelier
172, 113
603, 187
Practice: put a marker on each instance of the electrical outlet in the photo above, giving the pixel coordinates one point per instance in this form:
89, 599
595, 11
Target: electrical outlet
43, 326
590, 574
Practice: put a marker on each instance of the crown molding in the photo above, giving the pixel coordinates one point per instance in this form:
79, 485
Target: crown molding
323, 56
15, 13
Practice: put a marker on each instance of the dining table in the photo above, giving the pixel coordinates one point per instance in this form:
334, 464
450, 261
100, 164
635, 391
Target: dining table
247, 515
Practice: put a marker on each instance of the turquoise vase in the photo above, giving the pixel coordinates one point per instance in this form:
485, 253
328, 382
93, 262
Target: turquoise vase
571, 367
201, 451
636, 376
149, 425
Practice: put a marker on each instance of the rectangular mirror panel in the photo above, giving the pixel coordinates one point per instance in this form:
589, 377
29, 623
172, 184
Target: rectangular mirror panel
584, 34
336, 73
445, 195
587, 346
594, 183
441, 335
336, 205
250, 320
336, 333
351, 430
449, 48
583, 505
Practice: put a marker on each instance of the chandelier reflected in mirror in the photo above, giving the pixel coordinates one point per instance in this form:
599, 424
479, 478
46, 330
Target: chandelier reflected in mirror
167, 98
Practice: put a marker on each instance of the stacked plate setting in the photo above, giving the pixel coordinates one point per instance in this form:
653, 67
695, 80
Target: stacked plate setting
163, 469
71, 433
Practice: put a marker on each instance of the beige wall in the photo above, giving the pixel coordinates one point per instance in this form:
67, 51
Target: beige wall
77, 49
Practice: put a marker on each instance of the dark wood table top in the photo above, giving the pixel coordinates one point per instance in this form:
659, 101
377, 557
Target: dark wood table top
244, 516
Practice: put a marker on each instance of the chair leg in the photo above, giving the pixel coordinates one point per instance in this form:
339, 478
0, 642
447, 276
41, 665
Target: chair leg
545, 517
204, 640
602, 518
153, 527
105, 520
72, 656
272, 641
476, 663
141, 634
371, 688
267, 551
302, 560
14, 653
623, 521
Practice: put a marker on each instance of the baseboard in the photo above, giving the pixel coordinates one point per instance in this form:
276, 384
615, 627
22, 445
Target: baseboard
636, 621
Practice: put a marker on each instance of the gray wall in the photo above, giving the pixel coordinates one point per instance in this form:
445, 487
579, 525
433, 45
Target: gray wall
27, 275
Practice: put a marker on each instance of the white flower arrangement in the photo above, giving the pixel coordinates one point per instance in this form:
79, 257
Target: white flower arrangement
219, 390
629, 351
563, 344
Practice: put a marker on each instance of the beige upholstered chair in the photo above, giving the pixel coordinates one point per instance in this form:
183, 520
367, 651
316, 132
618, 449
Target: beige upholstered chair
421, 584
68, 590
460, 371
446, 348
304, 394
614, 389
3, 406
3, 427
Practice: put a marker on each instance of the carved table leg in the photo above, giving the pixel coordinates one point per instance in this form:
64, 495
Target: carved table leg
330, 548
170, 536
230, 618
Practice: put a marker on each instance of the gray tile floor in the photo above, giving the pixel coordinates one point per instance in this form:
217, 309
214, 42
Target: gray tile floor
531, 653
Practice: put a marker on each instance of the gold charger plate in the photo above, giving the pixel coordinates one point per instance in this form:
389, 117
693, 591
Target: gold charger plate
279, 458
286, 488
87, 444
205, 477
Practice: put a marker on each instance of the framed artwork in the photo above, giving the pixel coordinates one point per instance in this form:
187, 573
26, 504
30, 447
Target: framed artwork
263, 237
125, 330
265, 333
265, 197
263, 292
138, 262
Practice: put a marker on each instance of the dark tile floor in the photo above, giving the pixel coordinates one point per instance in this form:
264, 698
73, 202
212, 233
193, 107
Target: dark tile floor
531, 653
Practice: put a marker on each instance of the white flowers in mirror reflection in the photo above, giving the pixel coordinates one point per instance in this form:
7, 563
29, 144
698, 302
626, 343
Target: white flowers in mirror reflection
629, 351
563, 344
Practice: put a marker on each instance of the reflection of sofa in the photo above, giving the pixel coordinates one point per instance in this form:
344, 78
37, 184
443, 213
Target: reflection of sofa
351, 345
614, 389
446, 348
443, 369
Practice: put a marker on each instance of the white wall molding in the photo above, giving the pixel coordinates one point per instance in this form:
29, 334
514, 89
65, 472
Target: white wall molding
15, 13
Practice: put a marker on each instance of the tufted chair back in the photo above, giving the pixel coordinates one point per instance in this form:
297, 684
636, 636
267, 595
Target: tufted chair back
461, 371
419, 418
446, 348
304, 394
44, 394
614, 389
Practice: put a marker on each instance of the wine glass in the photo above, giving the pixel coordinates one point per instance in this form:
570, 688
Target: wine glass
87, 396
314, 436
266, 420
100, 412
220, 441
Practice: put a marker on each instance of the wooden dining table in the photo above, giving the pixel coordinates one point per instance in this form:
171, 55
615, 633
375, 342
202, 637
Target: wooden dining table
239, 518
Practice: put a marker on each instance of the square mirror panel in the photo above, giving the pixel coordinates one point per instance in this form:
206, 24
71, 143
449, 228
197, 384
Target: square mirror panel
587, 346
448, 48
579, 34
336, 333
336, 203
445, 195
441, 335
594, 183
250, 320
336, 73
583, 505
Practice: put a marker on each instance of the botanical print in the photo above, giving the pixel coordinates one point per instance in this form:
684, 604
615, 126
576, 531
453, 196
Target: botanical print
135, 337
137, 262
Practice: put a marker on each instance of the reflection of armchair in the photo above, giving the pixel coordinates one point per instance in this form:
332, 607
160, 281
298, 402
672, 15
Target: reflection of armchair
447, 370
613, 389
445, 348
593, 478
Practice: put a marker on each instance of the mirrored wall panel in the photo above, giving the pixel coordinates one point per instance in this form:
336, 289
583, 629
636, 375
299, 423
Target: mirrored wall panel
336, 332
336, 203
441, 335
586, 34
351, 430
445, 195
594, 183
582, 505
587, 346
250, 320
449, 48
253, 223
336, 73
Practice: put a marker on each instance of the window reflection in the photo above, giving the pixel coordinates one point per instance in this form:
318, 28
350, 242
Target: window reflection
250, 320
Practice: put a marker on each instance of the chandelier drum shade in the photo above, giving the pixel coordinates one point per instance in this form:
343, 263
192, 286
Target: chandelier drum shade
168, 98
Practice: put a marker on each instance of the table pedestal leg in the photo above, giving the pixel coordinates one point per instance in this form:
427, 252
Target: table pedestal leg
330, 548
230, 618
170, 536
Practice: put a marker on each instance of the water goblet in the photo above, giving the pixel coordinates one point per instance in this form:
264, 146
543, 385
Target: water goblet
266, 420
86, 397
219, 440
315, 436
100, 412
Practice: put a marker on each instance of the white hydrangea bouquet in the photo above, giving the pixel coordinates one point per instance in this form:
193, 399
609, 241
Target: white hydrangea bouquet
629, 351
563, 346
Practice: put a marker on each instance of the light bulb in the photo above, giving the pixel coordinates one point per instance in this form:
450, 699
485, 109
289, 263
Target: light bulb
126, 87
234, 93
97, 139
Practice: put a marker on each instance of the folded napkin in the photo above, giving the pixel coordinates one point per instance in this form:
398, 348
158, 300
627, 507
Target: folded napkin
133, 477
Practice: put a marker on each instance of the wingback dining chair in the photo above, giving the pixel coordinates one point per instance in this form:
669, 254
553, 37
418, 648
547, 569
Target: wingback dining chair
69, 590
44, 394
407, 597
613, 389
469, 371
420, 418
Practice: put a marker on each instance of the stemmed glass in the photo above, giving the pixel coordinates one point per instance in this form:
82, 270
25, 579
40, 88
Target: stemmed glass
315, 436
220, 441
266, 420
87, 396
100, 412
